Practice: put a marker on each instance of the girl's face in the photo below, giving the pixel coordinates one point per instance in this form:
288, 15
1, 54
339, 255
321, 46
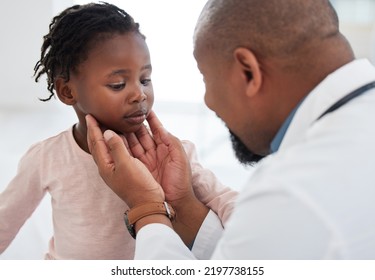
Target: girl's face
114, 83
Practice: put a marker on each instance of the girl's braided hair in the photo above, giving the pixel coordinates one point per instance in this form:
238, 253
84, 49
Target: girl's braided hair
71, 35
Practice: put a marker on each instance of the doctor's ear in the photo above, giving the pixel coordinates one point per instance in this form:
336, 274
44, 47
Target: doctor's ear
64, 91
250, 68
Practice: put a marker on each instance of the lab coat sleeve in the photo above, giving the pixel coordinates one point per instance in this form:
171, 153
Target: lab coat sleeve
160, 242
207, 237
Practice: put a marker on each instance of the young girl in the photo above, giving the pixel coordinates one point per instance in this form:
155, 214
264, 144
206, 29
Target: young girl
97, 61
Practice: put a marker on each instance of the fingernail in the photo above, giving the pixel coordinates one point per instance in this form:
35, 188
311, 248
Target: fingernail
108, 134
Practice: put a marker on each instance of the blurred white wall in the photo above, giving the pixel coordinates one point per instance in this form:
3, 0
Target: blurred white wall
21, 28
23, 23
357, 23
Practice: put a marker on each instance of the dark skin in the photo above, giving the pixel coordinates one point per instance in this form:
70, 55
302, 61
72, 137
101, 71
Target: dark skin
127, 169
113, 84
252, 108
162, 159
255, 109
285, 59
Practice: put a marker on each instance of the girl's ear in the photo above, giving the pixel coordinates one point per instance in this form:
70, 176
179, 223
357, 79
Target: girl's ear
64, 91
250, 69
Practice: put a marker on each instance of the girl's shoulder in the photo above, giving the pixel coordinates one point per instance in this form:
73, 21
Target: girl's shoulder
50, 145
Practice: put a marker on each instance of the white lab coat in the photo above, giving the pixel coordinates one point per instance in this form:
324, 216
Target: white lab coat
312, 199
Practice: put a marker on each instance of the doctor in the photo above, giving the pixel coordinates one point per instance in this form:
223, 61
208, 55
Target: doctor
285, 81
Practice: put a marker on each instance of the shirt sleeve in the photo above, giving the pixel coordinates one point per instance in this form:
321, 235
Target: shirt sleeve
20, 198
208, 189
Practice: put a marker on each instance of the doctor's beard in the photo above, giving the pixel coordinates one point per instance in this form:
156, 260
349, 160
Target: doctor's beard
243, 154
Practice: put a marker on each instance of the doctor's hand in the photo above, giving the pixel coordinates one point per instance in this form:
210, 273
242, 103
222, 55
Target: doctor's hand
127, 176
164, 156
139, 170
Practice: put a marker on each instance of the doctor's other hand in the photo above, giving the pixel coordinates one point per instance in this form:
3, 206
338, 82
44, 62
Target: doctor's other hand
165, 157
127, 176
139, 170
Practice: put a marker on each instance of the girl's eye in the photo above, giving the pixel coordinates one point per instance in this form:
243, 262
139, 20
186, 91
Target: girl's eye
145, 82
117, 86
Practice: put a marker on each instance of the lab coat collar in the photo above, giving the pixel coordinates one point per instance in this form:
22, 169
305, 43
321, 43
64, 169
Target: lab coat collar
336, 85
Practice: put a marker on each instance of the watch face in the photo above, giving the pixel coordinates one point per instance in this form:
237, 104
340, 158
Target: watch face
129, 226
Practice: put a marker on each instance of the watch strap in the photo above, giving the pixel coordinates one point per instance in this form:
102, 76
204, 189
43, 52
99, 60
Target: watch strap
138, 212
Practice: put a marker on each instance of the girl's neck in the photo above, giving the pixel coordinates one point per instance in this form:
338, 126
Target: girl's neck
80, 136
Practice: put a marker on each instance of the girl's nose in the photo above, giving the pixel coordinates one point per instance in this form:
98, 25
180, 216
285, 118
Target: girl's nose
137, 95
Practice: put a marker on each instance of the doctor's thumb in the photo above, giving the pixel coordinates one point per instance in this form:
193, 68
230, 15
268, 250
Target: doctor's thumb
116, 146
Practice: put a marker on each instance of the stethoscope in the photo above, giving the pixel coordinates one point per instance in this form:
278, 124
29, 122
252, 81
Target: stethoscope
347, 98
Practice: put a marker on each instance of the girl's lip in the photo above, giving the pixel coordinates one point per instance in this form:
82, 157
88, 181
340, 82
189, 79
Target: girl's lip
136, 117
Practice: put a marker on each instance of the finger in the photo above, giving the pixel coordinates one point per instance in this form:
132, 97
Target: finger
156, 127
123, 138
145, 138
134, 145
92, 125
154, 122
117, 149
161, 134
96, 143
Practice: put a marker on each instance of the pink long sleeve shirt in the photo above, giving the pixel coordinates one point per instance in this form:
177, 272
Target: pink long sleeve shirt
87, 216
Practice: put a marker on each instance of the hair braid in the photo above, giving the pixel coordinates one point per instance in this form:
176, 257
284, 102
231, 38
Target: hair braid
72, 33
